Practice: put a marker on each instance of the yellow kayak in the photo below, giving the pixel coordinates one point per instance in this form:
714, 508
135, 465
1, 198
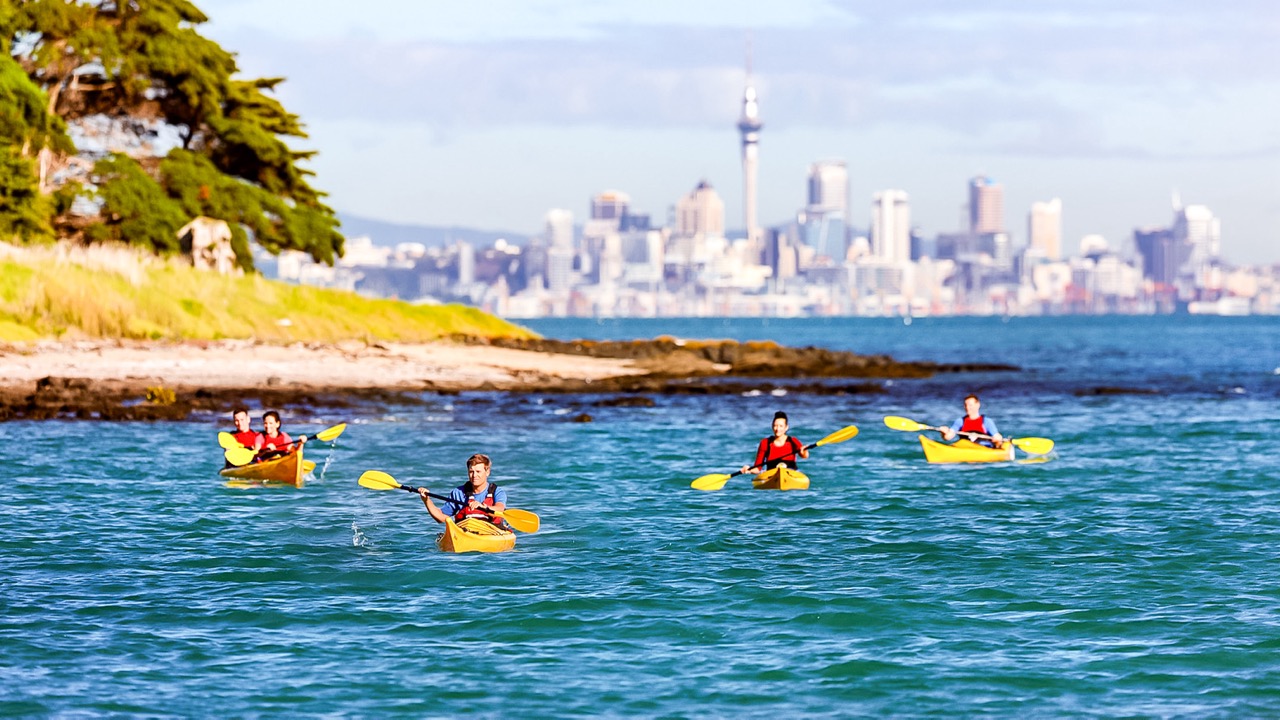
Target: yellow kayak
474, 535
781, 478
286, 469
963, 451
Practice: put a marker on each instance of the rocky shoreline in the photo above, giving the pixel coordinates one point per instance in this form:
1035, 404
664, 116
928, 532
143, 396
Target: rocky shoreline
176, 381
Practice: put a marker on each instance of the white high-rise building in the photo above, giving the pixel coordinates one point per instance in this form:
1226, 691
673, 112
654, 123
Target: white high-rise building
829, 188
1197, 228
1044, 228
560, 228
701, 212
891, 226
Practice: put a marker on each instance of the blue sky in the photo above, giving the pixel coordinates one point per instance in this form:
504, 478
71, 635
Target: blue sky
488, 113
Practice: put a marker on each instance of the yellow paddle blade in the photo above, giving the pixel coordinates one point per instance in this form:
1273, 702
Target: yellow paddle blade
1035, 446
522, 520
378, 480
839, 436
905, 424
715, 481
331, 434
308, 466
239, 455
228, 441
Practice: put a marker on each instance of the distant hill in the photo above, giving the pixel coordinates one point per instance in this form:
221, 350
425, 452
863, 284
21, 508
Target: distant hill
391, 234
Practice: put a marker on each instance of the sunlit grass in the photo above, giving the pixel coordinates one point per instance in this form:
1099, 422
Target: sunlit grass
61, 293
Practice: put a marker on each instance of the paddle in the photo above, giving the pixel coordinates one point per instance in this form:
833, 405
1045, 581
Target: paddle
521, 520
1033, 445
240, 455
715, 481
234, 448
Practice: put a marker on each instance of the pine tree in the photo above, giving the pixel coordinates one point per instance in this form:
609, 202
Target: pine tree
200, 140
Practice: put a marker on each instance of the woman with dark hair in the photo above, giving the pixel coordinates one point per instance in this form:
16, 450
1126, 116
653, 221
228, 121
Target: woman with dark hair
275, 441
781, 449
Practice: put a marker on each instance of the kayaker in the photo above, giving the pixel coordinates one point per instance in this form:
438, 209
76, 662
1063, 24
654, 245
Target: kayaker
468, 499
274, 441
244, 434
973, 421
777, 450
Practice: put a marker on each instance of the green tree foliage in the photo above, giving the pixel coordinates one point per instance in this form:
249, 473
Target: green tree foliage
142, 65
25, 128
135, 208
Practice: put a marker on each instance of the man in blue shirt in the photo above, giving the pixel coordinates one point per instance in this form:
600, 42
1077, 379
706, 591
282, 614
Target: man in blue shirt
477, 497
973, 422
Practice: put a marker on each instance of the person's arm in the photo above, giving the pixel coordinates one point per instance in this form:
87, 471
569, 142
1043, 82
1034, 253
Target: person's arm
761, 456
949, 434
993, 431
499, 500
436, 512
804, 451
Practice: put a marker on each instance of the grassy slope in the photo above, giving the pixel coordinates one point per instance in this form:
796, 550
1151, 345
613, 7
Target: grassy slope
44, 296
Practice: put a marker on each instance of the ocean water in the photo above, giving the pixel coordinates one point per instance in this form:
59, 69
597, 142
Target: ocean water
1137, 573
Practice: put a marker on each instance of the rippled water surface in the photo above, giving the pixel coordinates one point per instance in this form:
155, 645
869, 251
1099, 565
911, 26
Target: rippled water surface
1136, 573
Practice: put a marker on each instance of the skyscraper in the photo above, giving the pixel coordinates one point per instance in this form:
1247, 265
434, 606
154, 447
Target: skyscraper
749, 126
891, 226
986, 206
610, 205
701, 212
1195, 227
829, 187
560, 228
1044, 228
559, 269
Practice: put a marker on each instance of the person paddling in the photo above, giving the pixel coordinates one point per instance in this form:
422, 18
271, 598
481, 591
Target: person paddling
777, 450
973, 421
244, 434
275, 442
468, 499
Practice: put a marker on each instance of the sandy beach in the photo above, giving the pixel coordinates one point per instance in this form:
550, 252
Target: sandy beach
248, 364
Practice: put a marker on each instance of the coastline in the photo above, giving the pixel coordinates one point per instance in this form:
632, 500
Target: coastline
139, 380
312, 366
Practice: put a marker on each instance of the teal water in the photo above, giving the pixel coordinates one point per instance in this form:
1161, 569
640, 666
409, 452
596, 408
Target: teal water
1136, 574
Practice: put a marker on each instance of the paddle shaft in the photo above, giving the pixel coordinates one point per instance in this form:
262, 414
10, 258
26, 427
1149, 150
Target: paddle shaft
445, 498
784, 457
967, 435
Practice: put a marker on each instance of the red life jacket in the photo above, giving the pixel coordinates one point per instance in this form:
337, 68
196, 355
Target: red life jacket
975, 425
769, 455
467, 511
279, 442
248, 438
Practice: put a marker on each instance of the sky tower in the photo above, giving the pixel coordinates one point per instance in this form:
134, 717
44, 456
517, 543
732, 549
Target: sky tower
749, 125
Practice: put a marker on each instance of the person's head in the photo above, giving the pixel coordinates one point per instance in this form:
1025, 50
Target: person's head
240, 416
478, 469
972, 404
779, 424
271, 422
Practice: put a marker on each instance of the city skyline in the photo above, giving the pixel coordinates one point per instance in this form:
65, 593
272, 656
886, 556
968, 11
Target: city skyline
489, 122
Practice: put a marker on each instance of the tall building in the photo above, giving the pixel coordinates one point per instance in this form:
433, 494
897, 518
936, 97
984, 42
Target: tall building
891, 226
610, 205
1195, 227
829, 188
701, 212
749, 126
1162, 256
986, 206
1044, 228
560, 228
